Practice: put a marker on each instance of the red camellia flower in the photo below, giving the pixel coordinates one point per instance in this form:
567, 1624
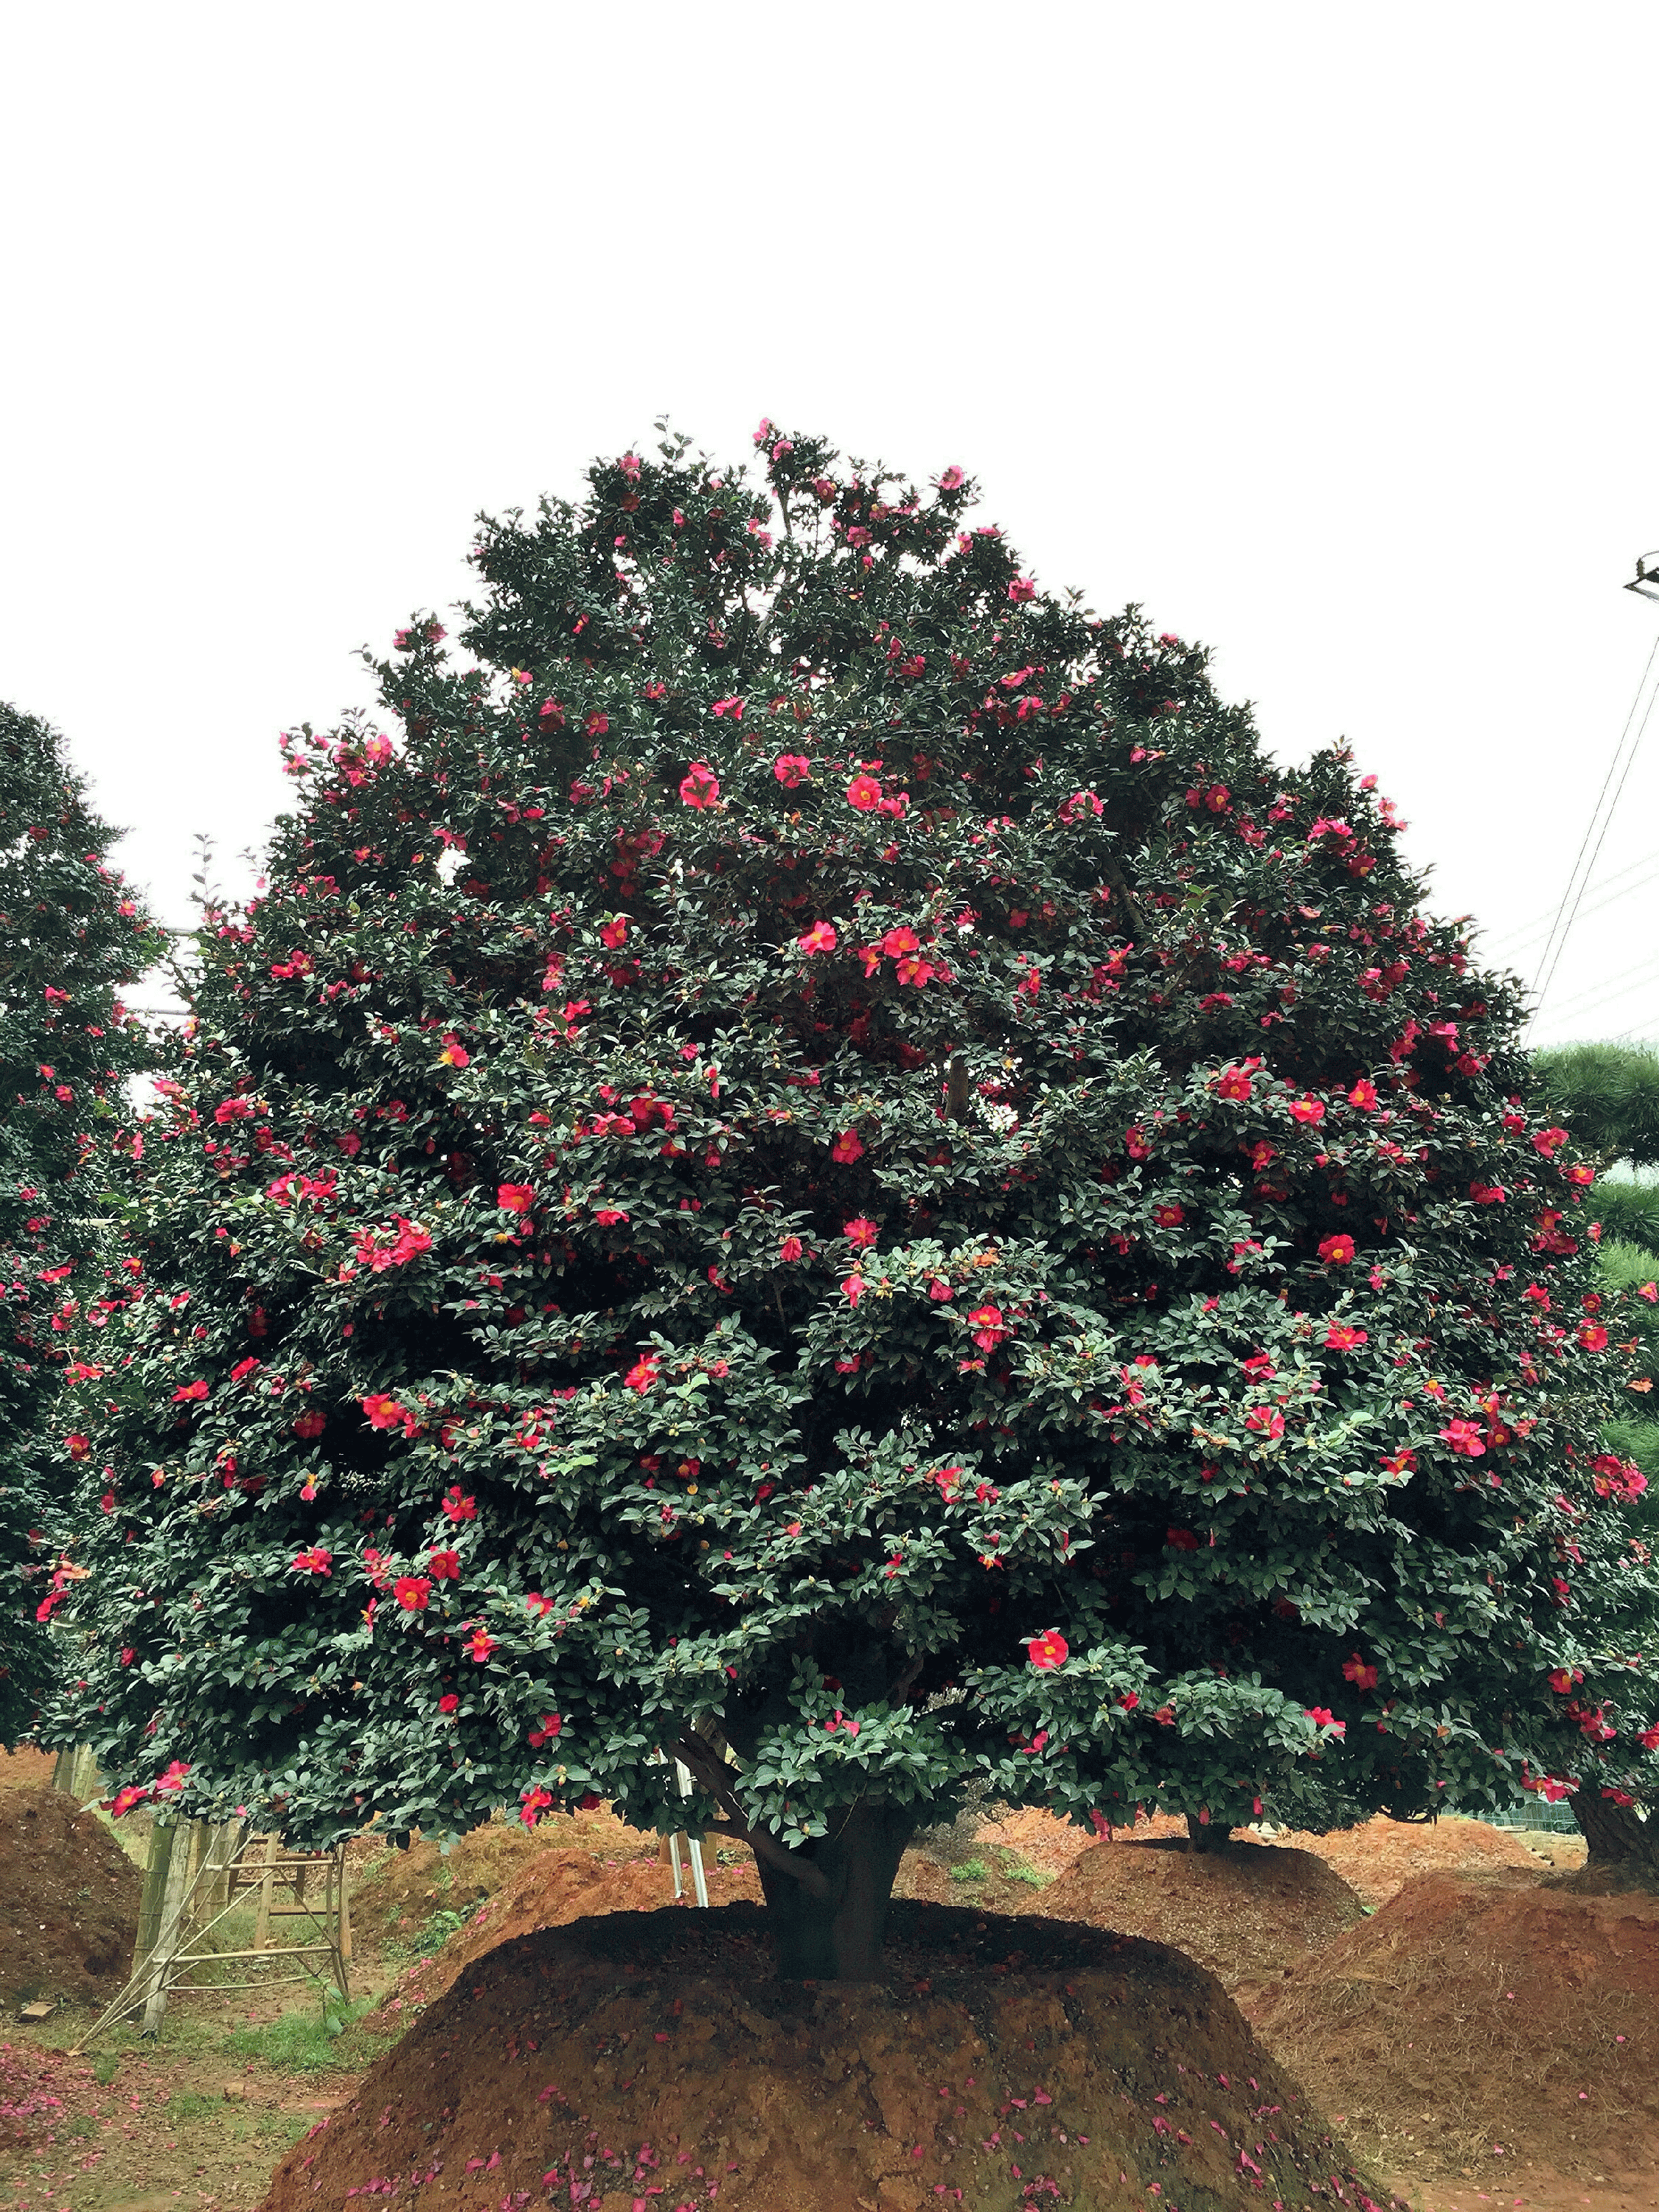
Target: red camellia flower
615, 932
1468, 1438
314, 1561
1135, 1143
514, 1197
1487, 1193
549, 1725
412, 1592
1336, 1251
457, 1506
311, 1425
861, 1232
188, 1390
1593, 1337
1181, 1539
865, 794
1360, 1672
1341, 1338
1548, 1142
700, 787
536, 1802
1364, 1096
790, 1249
1311, 1110
1267, 1420
78, 1446
1323, 1716
448, 1702
642, 1373
846, 1148
1234, 1083
821, 938
386, 1412
1169, 1215
791, 769
444, 1566
479, 1645
1048, 1650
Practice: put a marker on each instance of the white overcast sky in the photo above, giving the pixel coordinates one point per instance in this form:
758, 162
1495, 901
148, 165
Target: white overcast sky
1326, 333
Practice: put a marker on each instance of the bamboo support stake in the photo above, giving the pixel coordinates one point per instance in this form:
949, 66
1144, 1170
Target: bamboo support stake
168, 1936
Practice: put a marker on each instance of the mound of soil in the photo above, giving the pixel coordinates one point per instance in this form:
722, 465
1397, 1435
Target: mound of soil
1247, 1913
1380, 1856
26, 1770
72, 1909
550, 1889
1486, 2026
652, 2057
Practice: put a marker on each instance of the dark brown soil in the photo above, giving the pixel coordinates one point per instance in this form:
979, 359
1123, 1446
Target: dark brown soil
1499, 2025
68, 1902
651, 2059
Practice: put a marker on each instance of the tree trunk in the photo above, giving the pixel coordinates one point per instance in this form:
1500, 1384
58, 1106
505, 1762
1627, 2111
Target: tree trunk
834, 1934
1617, 1841
1207, 1835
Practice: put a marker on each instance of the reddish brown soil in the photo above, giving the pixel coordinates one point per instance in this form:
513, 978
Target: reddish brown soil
548, 1890
1018, 2063
1246, 1913
1380, 1856
69, 1907
26, 1770
1495, 2026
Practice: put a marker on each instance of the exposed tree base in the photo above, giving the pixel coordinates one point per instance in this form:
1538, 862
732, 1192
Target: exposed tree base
831, 1926
1207, 1835
1622, 1848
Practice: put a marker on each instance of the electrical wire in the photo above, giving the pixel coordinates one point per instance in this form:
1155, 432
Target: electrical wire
1607, 897
1577, 882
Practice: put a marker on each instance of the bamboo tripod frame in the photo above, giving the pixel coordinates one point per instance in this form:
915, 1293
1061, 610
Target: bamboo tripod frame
202, 1886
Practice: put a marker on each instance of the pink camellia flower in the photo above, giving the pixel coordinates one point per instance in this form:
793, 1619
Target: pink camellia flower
1023, 587
384, 1413
1339, 1337
315, 1561
642, 1373
174, 1778
790, 1249
1323, 1716
609, 1216
989, 1327
125, 1800
1592, 1337
852, 1289
188, 1390
1049, 1650
899, 941
479, 1645
791, 769
859, 1232
952, 478
1336, 1251
821, 938
1135, 1143
700, 787
536, 1802
865, 794
732, 707
514, 1197
847, 1147
615, 933
412, 1592
1364, 1096
1548, 1142
912, 969
1310, 1110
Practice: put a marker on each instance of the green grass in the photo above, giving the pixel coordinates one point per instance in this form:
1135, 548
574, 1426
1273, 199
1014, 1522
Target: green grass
310, 2042
971, 1870
1014, 1868
185, 2105
434, 1932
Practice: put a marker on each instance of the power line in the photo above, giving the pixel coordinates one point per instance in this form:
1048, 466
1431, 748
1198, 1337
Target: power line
1524, 932
1594, 833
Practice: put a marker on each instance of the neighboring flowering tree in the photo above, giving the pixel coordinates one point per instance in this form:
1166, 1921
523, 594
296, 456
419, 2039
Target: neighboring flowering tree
71, 937
820, 1166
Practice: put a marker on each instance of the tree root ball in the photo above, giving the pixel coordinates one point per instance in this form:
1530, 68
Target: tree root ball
646, 2060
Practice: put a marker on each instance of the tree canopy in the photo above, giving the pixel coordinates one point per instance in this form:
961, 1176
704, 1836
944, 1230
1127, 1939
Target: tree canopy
812, 1160
71, 936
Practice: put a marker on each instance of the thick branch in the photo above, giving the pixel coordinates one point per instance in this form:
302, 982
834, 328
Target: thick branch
716, 1778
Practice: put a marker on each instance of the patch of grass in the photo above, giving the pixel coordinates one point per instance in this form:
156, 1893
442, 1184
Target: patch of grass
309, 2042
434, 1932
971, 1870
1014, 1868
105, 2065
185, 2105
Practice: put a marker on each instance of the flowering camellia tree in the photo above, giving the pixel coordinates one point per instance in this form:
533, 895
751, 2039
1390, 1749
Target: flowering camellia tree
70, 936
813, 1164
